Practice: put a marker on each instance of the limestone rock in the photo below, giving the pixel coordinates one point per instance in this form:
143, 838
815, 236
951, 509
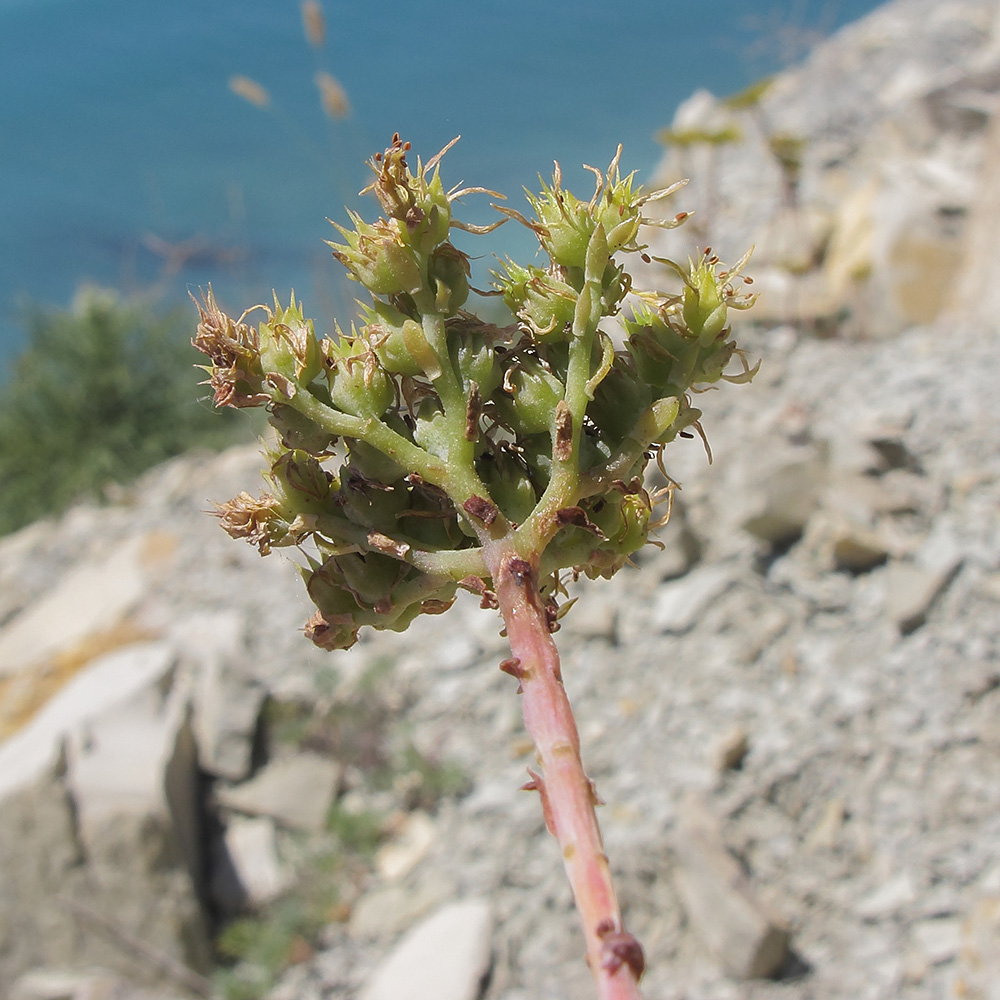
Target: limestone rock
407, 848
910, 591
89, 599
106, 682
731, 749
227, 701
979, 958
387, 910
296, 791
250, 874
857, 549
788, 498
445, 957
740, 932
679, 602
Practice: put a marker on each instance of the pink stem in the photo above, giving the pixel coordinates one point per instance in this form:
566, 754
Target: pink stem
568, 796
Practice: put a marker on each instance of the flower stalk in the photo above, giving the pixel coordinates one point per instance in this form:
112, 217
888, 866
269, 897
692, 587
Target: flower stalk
431, 450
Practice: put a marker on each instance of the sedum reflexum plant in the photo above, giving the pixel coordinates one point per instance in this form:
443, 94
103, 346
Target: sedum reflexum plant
428, 450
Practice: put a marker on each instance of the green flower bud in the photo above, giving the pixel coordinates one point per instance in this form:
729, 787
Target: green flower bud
371, 578
687, 416
449, 271
619, 400
288, 344
544, 303
325, 585
330, 636
618, 210
373, 255
372, 464
530, 398
594, 450
418, 202
432, 431
665, 357
371, 504
302, 484
358, 383
259, 521
715, 361
470, 345
567, 224
704, 305
536, 451
509, 483
236, 373
296, 431
387, 332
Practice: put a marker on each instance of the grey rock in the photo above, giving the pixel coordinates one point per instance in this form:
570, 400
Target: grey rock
857, 549
594, 616
732, 749
789, 497
939, 939
387, 910
445, 957
90, 599
739, 930
227, 702
296, 791
407, 848
889, 897
679, 603
251, 873
910, 591
105, 683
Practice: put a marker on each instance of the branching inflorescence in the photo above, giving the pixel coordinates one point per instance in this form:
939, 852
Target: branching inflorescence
428, 450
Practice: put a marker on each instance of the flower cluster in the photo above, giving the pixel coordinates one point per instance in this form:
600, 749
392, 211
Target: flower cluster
409, 445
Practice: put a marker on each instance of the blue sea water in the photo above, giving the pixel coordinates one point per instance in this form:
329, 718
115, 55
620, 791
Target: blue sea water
126, 161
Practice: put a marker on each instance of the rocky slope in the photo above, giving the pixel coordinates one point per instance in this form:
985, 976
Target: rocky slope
805, 679
854, 174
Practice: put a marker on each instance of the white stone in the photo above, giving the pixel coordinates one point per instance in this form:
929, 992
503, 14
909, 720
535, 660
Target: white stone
679, 602
56, 984
227, 703
107, 682
253, 851
137, 760
445, 957
386, 910
910, 591
89, 599
408, 848
939, 939
887, 898
296, 791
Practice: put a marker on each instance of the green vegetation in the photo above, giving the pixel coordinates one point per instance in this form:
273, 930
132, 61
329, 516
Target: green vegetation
102, 392
360, 727
262, 946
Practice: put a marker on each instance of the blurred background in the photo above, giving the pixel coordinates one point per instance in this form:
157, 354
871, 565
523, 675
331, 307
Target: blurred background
150, 152
155, 149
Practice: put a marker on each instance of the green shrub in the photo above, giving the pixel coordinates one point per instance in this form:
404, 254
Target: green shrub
102, 392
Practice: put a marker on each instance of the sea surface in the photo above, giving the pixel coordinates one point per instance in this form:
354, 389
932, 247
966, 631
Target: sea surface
127, 161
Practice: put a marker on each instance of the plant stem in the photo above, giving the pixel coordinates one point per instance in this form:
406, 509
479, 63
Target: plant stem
568, 796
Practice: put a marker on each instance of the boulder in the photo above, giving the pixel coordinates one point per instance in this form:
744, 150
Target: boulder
445, 957
100, 824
